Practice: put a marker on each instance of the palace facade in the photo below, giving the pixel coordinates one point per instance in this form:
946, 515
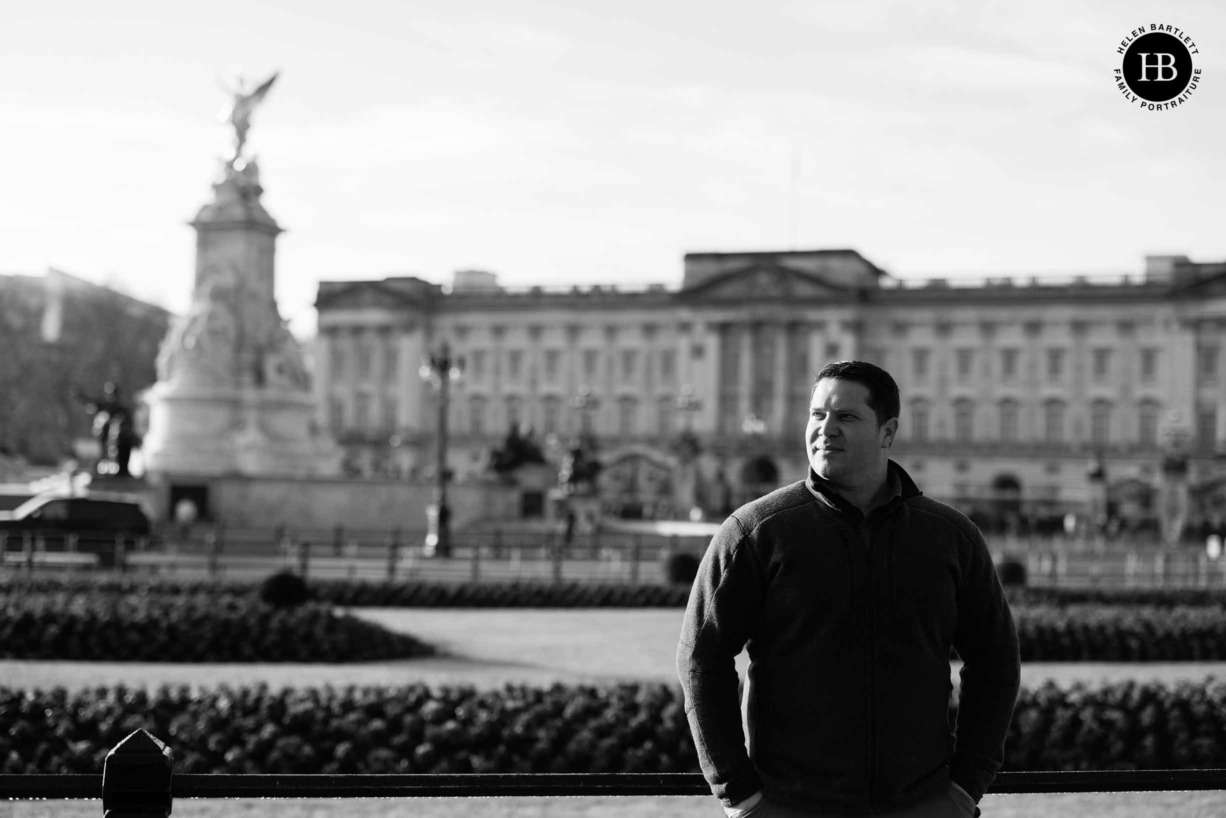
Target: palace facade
1022, 399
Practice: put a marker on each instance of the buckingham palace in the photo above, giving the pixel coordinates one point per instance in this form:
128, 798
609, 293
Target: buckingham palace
1023, 399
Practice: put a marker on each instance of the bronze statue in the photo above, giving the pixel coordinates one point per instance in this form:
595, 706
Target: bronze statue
113, 428
244, 103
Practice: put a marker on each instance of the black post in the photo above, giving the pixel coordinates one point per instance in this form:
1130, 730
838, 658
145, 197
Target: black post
121, 556
338, 539
393, 554
304, 559
636, 555
136, 778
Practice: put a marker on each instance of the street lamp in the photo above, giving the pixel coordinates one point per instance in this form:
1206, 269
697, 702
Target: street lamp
440, 369
585, 402
687, 404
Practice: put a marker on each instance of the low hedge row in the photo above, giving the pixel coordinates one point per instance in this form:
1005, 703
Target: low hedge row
401, 594
1100, 633
543, 594
620, 728
190, 628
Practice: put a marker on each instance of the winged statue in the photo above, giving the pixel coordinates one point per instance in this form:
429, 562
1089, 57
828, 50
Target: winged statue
243, 104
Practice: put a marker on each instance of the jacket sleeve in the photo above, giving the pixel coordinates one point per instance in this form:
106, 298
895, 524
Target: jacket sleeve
723, 605
986, 640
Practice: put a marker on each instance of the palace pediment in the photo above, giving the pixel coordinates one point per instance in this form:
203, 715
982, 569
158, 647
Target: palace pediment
765, 281
359, 295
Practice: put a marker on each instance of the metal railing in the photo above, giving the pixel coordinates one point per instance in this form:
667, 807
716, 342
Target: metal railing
501, 555
138, 781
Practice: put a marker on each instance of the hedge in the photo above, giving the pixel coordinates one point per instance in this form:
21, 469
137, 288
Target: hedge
543, 594
563, 728
194, 628
1113, 633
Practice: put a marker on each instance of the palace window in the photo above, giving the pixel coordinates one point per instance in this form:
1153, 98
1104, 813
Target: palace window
1100, 423
476, 360
591, 361
336, 412
919, 421
1053, 421
476, 416
668, 364
515, 364
627, 409
664, 414
391, 363
919, 363
1008, 421
964, 361
1147, 423
1206, 428
629, 363
365, 358
1008, 364
391, 410
1055, 364
338, 360
552, 408
515, 411
1101, 364
553, 360
964, 421
362, 413
1207, 363
1149, 365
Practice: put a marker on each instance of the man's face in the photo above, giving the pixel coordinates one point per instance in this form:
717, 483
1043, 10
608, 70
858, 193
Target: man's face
844, 442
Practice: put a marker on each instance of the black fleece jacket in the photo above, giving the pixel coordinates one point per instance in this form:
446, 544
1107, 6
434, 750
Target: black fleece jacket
848, 623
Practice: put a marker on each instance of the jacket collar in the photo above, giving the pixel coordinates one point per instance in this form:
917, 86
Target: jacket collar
901, 486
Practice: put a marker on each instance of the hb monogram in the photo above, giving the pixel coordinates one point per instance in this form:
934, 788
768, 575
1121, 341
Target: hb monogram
1161, 65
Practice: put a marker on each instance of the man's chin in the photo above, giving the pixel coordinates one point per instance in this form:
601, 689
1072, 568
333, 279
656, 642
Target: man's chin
823, 469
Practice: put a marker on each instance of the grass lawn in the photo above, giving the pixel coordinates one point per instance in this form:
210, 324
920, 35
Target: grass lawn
488, 647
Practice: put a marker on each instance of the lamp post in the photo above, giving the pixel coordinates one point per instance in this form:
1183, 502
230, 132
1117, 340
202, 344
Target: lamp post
687, 405
440, 369
585, 402
687, 448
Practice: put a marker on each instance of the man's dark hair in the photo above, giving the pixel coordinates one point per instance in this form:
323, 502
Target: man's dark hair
882, 391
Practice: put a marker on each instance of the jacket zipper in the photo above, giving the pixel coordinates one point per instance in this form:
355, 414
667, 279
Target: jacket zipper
867, 536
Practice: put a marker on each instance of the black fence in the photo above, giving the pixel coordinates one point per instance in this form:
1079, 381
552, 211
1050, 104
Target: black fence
500, 555
138, 781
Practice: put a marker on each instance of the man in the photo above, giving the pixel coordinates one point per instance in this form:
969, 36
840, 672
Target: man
849, 588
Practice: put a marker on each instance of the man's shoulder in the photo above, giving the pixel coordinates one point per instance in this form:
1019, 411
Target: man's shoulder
944, 515
776, 506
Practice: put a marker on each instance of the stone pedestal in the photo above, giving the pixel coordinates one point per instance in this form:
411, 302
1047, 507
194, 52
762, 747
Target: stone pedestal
233, 396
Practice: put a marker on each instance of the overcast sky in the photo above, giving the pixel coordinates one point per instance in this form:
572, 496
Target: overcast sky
559, 143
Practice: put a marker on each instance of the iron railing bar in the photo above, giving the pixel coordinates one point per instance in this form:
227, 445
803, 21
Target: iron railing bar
201, 785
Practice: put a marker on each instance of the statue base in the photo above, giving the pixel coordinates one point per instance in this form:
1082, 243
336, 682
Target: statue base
245, 431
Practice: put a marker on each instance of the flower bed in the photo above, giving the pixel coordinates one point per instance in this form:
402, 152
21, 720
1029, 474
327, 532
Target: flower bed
190, 628
1113, 633
573, 728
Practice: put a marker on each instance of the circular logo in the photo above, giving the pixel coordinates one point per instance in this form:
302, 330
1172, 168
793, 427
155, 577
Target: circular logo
1157, 67
1157, 71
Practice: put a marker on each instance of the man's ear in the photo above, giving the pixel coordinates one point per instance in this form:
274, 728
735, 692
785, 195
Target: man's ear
891, 429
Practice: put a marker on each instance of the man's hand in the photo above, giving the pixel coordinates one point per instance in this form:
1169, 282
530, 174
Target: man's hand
742, 808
